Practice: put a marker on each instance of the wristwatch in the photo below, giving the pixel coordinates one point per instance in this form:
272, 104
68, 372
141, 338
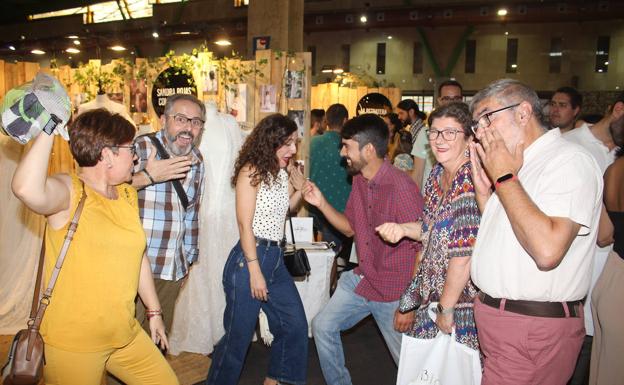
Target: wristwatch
442, 310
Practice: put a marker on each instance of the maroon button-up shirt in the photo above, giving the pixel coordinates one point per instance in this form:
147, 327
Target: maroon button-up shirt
391, 196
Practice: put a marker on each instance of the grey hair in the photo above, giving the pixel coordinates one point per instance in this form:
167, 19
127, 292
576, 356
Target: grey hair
191, 98
510, 91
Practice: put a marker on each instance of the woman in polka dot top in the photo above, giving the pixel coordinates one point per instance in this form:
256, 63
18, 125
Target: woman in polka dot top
254, 275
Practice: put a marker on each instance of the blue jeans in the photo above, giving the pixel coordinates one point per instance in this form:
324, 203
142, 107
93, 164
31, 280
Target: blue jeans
284, 310
344, 310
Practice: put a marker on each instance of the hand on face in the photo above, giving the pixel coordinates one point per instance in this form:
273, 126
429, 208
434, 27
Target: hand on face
495, 157
167, 169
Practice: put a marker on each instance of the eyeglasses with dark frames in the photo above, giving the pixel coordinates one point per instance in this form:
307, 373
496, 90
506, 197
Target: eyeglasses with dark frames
182, 120
129, 147
448, 135
486, 118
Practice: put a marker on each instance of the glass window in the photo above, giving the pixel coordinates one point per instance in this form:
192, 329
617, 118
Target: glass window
555, 55
512, 56
471, 56
381, 58
417, 64
345, 51
602, 53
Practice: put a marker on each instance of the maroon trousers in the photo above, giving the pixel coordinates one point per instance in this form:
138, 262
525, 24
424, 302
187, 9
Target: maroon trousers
529, 350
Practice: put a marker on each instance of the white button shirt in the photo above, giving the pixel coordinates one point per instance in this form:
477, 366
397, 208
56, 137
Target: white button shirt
563, 180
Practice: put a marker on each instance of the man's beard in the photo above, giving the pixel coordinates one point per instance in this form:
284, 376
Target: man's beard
174, 148
353, 168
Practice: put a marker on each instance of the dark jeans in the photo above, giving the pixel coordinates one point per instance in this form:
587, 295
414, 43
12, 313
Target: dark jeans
284, 310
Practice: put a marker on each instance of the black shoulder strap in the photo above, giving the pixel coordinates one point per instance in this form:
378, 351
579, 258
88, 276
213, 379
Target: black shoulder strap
176, 183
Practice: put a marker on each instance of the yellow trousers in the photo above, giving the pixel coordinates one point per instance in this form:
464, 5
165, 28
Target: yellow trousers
138, 363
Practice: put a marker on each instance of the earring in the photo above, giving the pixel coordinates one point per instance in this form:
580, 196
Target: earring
467, 152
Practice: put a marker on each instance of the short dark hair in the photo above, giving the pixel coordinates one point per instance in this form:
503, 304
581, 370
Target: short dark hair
458, 111
316, 115
336, 115
94, 130
365, 129
449, 82
191, 98
576, 99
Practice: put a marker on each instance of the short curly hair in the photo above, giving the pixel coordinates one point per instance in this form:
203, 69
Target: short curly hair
458, 111
93, 130
259, 149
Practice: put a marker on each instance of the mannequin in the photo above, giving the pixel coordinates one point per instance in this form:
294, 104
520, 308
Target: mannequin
102, 101
198, 321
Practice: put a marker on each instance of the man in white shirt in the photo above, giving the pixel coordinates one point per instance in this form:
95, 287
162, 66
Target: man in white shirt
598, 140
533, 255
564, 108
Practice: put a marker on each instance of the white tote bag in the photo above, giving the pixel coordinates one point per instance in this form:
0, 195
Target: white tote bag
437, 361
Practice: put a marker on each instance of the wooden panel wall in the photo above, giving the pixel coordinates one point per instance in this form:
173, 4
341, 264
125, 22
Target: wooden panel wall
326, 94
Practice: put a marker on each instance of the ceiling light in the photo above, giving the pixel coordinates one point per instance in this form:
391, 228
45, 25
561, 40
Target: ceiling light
600, 70
389, 37
72, 50
501, 12
338, 71
76, 42
12, 48
155, 35
606, 63
72, 37
506, 33
363, 19
37, 51
23, 37
514, 66
327, 69
183, 33
117, 48
223, 42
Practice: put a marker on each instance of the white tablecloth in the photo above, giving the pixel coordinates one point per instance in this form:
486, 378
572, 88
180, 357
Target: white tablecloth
314, 290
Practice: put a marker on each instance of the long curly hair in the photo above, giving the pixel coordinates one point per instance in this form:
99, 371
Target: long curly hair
259, 149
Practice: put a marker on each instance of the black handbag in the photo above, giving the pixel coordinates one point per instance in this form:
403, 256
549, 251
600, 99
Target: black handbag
296, 260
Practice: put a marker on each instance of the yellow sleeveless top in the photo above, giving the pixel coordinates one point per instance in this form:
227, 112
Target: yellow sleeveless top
92, 305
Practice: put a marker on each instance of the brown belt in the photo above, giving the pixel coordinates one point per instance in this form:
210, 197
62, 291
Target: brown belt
534, 308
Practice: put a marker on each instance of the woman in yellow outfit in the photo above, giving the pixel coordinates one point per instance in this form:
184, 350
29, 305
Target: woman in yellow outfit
89, 327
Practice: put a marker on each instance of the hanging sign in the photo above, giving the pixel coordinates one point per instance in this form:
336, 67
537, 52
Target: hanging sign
170, 82
374, 103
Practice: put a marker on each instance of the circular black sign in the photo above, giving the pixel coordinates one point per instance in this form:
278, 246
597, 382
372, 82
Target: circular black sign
170, 82
374, 103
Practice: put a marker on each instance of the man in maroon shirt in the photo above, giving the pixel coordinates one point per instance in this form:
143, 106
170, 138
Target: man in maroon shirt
381, 193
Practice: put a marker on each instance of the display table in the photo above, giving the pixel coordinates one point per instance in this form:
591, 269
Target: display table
314, 290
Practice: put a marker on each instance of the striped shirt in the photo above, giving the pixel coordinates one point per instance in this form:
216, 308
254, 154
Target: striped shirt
172, 233
391, 196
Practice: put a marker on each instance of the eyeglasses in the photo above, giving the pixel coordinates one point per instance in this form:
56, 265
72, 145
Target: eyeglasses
457, 98
448, 135
486, 118
129, 147
182, 120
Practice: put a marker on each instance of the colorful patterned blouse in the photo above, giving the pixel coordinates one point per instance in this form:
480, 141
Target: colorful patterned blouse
450, 225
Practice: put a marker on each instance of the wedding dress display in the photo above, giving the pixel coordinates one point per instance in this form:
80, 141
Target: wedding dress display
198, 320
102, 101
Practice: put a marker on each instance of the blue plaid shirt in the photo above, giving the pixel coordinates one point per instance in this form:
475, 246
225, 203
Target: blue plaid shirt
172, 232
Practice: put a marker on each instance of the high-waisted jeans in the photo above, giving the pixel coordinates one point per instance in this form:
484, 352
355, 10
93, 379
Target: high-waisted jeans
284, 310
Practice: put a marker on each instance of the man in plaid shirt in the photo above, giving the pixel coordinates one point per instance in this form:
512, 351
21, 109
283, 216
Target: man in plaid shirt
171, 230
381, 193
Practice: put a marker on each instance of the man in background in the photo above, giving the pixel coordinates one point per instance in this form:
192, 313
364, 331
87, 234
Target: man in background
565, 106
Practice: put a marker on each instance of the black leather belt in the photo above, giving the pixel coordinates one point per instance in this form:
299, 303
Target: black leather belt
270, 242
534, 308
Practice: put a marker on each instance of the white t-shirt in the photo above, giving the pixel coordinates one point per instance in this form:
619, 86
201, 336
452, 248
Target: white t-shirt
584, 137
422, 149
563, 180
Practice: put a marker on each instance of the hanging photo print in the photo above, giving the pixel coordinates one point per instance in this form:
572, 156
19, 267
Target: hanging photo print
294, 84
138, 95
297, 116
268, 100
236, 102
211, 79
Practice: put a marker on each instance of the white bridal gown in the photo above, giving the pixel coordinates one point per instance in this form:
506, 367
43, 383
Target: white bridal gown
198, 321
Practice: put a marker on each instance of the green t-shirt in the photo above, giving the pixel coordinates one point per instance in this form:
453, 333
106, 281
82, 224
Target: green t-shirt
328, 170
